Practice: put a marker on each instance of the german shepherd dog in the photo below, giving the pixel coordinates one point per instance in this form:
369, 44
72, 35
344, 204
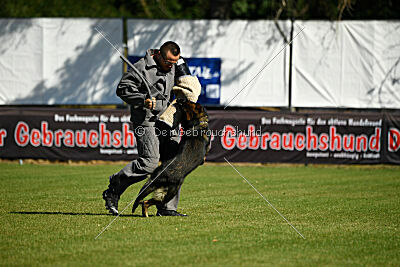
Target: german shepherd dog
167, 178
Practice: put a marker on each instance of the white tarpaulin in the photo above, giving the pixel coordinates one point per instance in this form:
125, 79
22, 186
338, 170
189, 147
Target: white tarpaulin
58, 61
244, 47
352, 64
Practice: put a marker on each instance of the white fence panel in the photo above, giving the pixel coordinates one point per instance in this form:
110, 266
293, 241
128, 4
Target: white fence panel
58, 61
350, 64
244, 47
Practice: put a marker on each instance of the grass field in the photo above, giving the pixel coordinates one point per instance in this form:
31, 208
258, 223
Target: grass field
350, 215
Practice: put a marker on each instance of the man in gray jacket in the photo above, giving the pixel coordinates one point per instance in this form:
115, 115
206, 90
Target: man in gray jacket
147, 89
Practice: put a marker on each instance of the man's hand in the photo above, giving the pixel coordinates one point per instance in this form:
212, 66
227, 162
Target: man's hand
150, 103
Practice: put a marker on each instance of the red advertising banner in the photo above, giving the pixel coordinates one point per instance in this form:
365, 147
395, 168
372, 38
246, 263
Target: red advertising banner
255, 136
66, 134
392, 139
239, 136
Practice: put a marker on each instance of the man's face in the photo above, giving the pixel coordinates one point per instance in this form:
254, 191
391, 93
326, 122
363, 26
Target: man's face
166, 62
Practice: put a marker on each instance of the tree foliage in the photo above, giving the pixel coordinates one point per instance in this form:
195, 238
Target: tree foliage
204, 9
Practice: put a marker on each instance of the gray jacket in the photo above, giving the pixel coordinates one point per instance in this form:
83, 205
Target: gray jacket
133, 90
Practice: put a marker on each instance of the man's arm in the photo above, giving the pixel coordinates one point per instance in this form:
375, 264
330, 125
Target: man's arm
128, 91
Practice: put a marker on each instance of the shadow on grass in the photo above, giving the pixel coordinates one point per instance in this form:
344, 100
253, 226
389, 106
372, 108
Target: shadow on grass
71, 213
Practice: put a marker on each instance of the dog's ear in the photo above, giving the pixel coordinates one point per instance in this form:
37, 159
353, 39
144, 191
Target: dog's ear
197, 110
189, 115
189, 108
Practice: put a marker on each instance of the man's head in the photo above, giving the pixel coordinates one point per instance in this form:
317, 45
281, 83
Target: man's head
168, 55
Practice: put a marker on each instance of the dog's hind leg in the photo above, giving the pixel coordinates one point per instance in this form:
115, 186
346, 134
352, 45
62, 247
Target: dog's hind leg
146, 205
171, 192
144, 192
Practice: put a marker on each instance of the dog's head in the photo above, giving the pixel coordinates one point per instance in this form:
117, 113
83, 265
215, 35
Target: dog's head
195, 115
196, 120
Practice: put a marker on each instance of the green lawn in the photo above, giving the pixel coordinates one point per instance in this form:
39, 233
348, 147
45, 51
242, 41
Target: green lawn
349, 215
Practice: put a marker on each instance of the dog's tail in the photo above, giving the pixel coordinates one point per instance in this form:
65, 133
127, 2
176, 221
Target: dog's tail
135, 205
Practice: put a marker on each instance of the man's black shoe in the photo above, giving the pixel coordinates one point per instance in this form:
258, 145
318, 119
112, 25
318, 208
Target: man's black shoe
169, 213
111, 201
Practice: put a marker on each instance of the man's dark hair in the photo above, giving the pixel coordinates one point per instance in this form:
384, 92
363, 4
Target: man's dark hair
170, 46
